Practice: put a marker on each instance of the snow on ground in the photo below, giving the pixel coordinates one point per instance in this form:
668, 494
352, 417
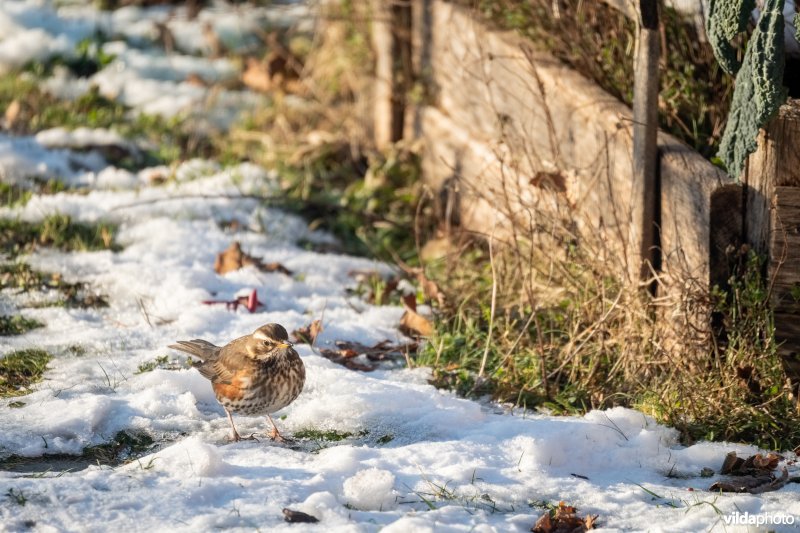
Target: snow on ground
478, 467
419, 459
139, 76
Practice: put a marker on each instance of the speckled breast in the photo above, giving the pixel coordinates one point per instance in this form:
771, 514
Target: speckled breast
265, 387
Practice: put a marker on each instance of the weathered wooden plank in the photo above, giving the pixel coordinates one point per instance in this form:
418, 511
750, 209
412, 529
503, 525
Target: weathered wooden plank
784, 261
787, 333
775, 163
772, 223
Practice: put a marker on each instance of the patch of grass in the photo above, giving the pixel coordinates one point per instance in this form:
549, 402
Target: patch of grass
21, 369
331, 435
17, 325
58, 231
368, 203
13, 195
598, 42
20, 276
742, 393
472, 500
168, 139
330, 172
125, 446
385, 439
87, 60
149, 366
566, 333
17, 496
163, 362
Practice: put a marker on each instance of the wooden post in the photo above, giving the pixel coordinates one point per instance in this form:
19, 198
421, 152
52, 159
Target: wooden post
772, 224
421, 43
391, 41
645, 137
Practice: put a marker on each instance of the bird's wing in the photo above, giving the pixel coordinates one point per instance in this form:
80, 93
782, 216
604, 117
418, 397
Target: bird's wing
227, 362
197, 347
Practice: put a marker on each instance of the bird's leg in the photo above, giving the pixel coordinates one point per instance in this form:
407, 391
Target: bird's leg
234, 434
275, 434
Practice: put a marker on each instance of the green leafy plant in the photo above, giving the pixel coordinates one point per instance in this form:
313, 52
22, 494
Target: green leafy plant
759, 88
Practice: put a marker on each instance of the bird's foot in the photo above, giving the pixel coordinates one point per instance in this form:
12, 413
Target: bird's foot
235, 437
275, 436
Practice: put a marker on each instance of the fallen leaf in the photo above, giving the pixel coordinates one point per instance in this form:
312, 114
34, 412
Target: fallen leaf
298, 517
308, 334
564, 519
233, 258
414, 324
753, 465
12, 114
410, 301
757, 484
379, 352
543, 525
388, 289
274, 267
768, 462
256, 76
195, 79
349, 362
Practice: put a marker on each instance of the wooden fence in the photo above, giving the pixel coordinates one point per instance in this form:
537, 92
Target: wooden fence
498, 115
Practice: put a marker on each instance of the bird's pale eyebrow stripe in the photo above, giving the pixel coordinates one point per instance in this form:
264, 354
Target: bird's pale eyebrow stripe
260, 335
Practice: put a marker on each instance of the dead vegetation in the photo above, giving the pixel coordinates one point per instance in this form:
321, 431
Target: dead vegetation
598, 42
542, 316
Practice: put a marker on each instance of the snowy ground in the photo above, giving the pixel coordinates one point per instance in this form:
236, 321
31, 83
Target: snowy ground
418, 459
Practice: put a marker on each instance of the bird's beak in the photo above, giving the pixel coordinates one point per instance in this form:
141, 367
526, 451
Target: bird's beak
286, 344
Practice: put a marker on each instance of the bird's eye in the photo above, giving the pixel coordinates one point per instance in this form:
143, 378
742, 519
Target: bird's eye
267, 343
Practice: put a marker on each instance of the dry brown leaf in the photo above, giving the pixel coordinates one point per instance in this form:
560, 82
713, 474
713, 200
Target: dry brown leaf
414, 324
430, 289
229, 260
274, 267
768, 462
388, 289
543, 525
379, 352
195, 79
309, 333
256, 76
298, 517
753, 484
563, 519
753, 465
12, 114
410, 301
233, 258
349, 362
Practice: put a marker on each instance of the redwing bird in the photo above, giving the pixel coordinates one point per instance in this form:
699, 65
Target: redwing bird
257, 374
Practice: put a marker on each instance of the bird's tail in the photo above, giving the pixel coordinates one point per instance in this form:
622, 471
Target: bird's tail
199, 348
